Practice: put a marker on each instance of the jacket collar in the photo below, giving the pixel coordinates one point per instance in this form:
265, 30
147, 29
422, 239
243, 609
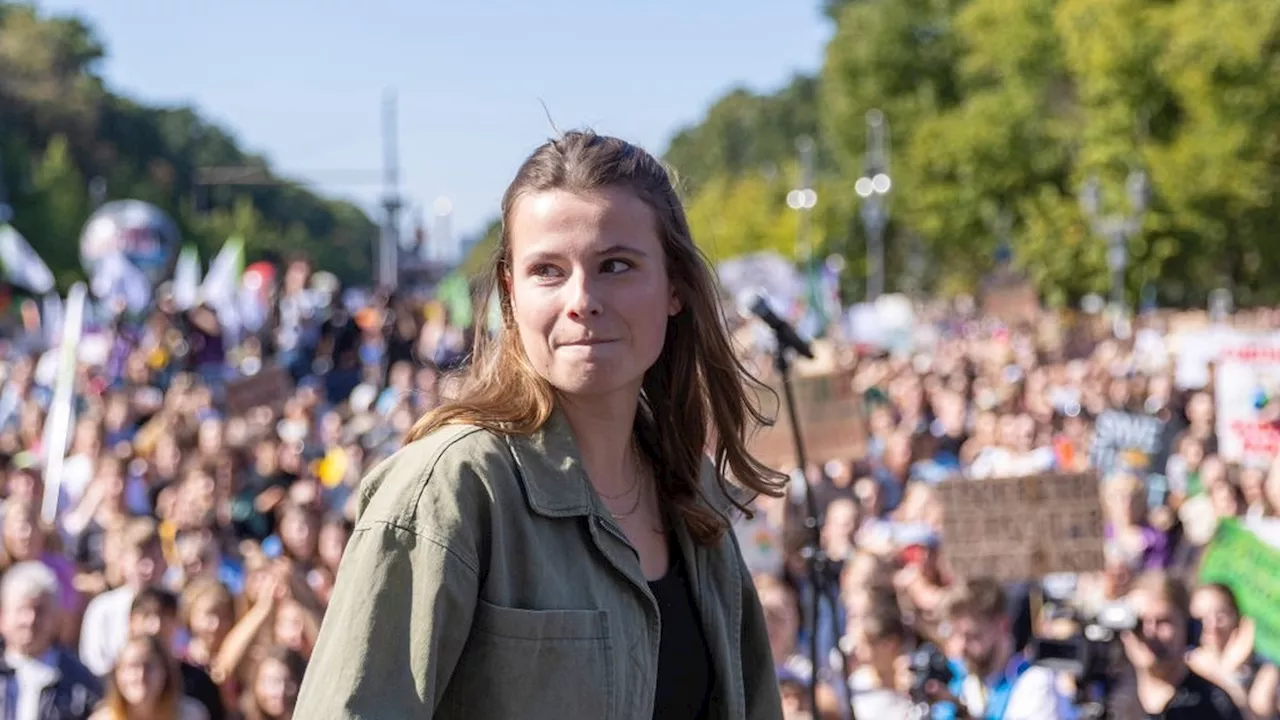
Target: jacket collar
551, 469
556, 484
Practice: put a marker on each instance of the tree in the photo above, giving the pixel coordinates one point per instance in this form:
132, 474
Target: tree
1000, 110
50, 89
60, 207
746, 133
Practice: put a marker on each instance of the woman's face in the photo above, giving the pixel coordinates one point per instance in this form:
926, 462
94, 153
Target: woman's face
333, 542
1218, 620
291, 626
139, 676
274, 688
298, 532
209, 620
589, 289
22, 537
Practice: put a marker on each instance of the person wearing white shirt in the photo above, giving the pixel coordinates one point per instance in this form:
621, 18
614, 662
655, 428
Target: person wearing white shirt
106, 619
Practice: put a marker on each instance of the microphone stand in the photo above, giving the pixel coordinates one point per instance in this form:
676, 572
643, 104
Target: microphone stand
816, 560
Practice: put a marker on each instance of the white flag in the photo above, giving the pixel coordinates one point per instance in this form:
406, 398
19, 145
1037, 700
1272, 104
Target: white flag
21, 265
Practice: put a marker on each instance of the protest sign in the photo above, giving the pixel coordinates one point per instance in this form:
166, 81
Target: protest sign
1016, 529
1247, 391
1127, 441
269, 388
1240, 560
829, 411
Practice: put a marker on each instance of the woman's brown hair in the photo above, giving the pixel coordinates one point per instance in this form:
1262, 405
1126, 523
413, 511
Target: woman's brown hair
695, 396
170, 700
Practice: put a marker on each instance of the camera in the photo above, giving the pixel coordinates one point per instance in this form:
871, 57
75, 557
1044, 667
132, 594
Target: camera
1088, 656
928, 664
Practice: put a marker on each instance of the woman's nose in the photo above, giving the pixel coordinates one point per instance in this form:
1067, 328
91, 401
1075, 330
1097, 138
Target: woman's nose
584, 300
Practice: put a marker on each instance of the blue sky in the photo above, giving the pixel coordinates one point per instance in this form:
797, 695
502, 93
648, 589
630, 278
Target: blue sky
301, 81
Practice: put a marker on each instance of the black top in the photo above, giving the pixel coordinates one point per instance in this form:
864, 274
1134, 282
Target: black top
1198, 699
197, 685
684, 660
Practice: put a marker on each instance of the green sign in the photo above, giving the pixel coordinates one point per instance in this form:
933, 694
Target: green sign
1238, 559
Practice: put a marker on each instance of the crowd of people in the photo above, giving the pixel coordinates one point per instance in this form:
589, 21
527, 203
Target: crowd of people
982, 399
201, 517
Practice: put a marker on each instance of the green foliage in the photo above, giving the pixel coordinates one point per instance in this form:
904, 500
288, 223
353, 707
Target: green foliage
59, 127
1003, 109
746, 133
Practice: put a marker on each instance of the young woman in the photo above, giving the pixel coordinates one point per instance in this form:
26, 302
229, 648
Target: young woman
552, 542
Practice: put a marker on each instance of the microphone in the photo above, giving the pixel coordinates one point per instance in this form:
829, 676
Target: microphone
787, 336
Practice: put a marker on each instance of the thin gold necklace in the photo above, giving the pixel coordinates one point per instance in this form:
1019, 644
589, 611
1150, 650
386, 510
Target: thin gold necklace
639, 495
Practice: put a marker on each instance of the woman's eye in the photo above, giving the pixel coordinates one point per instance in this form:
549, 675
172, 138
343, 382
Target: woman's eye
616, 266
544, 271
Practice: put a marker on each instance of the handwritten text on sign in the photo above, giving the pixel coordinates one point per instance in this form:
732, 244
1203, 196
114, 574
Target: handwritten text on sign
1015, 529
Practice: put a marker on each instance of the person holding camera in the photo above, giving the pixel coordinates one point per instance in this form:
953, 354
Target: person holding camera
1167, 688
991, 679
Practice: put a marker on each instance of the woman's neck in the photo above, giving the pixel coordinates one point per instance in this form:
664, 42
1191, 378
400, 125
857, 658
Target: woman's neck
603, 431
145, 710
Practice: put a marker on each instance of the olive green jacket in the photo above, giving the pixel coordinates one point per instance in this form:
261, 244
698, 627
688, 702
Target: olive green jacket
485, 579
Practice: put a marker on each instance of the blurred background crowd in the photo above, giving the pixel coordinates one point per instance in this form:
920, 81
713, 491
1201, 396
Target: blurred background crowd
202, 351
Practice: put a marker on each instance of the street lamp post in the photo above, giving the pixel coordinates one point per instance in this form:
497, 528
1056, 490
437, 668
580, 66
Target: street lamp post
873, 187
1117, 228
804, 198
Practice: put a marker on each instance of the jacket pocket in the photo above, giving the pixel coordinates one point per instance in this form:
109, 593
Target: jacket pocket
534, 664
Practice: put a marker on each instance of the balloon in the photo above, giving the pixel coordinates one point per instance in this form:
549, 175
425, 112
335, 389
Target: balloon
140, 232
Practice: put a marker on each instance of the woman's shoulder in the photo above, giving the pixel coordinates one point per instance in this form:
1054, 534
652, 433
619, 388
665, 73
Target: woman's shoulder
455, 465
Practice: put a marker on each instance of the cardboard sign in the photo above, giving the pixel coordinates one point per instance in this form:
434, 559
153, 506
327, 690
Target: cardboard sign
269, 388
829, 411
1010, 299
1016, 529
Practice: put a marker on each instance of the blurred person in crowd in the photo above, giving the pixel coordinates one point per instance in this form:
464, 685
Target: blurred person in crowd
106, 620
1200, 417
79, 466
154, 614
611, 331
208, 612
881, 681
102, 507
781, 608
24, 537
1183, 467
284, 613
272, 693
253, 506
198, 555
894, 469
37, 678
1227, 499
1128, 533
997, 681
1225, 655
838, 530
1252, 482
146, 685
1167, 689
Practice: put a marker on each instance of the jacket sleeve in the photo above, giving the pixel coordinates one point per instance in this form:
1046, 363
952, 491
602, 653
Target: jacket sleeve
759, 678
404, 597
